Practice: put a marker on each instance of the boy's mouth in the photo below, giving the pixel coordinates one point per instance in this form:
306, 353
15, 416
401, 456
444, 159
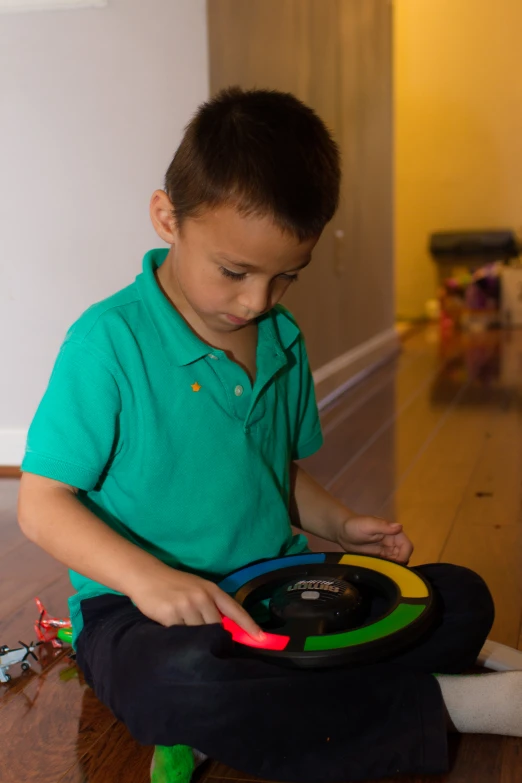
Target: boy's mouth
238, 321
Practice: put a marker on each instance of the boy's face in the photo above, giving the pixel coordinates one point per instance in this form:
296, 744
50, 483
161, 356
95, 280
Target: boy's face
225, 269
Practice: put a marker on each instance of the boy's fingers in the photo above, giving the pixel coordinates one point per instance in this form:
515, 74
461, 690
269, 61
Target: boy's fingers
193, 618
406, 552
390, 553
368, 549
373, 529
230, 607
211, 614
384, 528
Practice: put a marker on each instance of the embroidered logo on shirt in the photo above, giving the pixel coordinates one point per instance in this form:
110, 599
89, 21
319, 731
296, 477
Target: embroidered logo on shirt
195, 387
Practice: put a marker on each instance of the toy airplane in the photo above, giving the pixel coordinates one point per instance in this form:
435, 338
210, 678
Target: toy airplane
10, 656
52, 629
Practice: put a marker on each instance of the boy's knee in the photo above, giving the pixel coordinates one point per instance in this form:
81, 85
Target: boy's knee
183, 654
169, 670
463, 592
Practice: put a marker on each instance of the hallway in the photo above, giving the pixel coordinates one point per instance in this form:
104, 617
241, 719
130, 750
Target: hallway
433, 440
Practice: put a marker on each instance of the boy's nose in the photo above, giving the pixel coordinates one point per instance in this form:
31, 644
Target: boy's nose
255, 300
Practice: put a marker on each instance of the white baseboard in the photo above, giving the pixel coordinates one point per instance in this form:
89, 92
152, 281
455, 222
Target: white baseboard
12, 447
24, 6
343, 372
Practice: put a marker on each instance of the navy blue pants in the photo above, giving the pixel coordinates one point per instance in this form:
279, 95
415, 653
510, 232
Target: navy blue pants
187, 685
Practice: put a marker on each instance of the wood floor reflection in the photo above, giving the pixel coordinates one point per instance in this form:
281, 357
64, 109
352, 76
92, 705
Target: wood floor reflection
433, 440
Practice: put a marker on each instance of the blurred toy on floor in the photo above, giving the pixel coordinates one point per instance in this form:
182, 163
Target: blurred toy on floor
471, 300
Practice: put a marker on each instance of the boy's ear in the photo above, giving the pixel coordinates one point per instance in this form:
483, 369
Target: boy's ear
162, 217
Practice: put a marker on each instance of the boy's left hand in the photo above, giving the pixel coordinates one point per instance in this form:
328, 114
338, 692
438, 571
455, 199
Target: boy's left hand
374, 536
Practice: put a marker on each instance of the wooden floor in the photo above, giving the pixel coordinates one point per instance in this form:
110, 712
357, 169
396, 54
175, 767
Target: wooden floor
433, 440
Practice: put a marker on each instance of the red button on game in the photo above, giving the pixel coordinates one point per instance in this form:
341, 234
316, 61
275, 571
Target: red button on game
272, 641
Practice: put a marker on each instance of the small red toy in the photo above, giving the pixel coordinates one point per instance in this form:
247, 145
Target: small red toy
47, 628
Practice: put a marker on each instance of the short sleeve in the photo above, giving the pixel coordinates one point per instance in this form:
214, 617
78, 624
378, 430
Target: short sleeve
73, 433
308, 436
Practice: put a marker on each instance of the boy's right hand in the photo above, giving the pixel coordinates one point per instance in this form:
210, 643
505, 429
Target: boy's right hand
173, 597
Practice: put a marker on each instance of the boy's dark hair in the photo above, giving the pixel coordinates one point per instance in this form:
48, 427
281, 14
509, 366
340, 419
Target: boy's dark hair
263, 152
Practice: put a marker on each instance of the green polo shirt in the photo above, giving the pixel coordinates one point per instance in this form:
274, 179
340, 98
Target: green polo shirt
166, 439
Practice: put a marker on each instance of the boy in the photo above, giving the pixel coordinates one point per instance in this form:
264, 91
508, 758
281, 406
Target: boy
162, 457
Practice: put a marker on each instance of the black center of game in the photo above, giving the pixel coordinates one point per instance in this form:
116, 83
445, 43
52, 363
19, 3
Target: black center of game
335, 603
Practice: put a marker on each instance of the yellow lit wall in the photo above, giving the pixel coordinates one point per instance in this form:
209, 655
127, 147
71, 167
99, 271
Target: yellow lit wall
458, 128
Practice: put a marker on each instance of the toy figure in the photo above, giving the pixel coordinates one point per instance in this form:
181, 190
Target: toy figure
52, 629
10, 656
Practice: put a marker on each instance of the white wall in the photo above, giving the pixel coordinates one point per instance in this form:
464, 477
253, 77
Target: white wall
92, 107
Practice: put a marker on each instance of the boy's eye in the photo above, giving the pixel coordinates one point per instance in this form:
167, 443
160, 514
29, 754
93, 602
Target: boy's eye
241, 275
232, 275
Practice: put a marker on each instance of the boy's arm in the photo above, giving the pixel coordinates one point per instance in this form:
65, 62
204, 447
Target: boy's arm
51, 516
316, 511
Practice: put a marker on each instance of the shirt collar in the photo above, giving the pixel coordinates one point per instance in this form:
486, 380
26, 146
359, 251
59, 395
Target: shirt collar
178, 340
277, 329
284, 326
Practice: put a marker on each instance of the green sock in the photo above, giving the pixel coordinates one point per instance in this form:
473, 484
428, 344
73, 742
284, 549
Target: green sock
174, 764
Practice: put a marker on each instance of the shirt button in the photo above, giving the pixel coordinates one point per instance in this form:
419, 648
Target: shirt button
212, 356
238, 391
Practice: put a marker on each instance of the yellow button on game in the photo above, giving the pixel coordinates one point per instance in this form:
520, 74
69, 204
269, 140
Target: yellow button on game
410, 585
